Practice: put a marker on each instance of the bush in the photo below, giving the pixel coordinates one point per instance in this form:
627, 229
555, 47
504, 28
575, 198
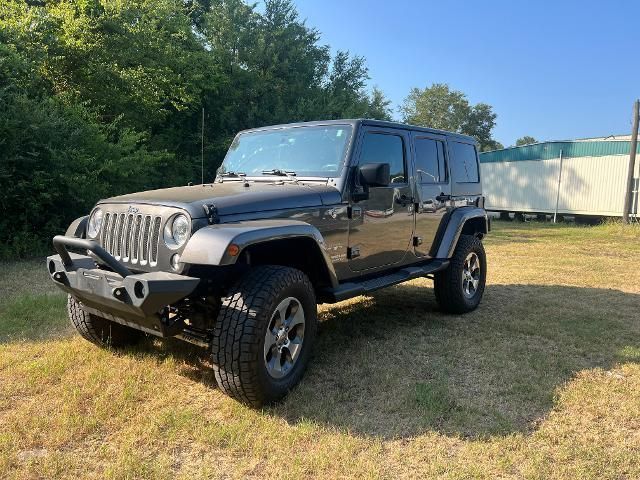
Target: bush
56, 161
99, 98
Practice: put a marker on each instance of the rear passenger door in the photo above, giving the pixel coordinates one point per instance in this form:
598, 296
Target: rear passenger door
433, 189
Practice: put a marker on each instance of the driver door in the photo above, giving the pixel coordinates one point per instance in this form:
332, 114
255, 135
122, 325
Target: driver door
381, 227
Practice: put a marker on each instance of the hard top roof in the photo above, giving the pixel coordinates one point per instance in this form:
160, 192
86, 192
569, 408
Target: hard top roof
367, 122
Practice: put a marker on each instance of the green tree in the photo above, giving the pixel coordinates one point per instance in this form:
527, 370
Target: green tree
379, 106
440, 107
526, 140
99, 97
139, 59
56, 159
492, 145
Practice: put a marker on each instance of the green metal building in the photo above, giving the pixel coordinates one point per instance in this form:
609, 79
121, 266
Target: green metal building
582, 177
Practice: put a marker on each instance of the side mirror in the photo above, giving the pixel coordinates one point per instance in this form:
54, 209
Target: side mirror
375, 174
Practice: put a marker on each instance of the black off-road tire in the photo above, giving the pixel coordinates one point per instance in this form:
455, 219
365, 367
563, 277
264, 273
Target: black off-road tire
239, 335
448, 285
100, 331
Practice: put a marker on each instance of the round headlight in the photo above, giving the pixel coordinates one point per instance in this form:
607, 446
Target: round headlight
94, 224
180, 229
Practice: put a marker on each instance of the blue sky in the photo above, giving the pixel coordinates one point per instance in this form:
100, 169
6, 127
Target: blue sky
553, 70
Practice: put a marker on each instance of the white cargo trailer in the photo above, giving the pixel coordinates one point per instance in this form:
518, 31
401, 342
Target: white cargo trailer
584, 177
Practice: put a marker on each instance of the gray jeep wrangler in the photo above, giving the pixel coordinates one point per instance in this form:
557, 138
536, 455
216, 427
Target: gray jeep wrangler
298, 215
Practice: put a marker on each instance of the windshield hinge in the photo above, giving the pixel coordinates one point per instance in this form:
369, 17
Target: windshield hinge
211, 212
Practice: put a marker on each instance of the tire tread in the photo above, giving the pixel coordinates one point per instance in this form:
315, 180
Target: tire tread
447, 287
237, 337
98, 330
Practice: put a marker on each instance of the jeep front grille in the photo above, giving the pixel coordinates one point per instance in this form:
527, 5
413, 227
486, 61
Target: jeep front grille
132, 237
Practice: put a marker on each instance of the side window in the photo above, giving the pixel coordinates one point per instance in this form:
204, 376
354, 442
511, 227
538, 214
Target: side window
430, 161
464, 167
383, 148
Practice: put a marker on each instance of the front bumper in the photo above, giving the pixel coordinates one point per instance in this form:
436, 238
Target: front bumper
138, 300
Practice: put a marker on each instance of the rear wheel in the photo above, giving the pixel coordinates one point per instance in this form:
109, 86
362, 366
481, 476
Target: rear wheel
98, 330
459, 288
264, 334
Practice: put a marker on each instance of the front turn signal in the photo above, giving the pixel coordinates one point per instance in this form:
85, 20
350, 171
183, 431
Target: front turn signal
233, 250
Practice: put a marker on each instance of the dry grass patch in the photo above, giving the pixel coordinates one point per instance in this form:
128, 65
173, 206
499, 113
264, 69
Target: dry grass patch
542, 381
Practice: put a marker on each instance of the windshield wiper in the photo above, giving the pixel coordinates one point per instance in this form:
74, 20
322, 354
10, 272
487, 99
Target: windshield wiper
281, 173
231, 175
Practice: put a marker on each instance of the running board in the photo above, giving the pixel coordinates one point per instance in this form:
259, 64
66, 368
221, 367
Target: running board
354, 289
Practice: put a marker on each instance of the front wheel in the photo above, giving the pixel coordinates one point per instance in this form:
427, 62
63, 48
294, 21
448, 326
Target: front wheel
264, 334
98, 330
459, 288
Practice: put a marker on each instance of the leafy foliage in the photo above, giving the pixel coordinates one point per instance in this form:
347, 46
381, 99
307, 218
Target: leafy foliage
99, 98
440, 107
526, 140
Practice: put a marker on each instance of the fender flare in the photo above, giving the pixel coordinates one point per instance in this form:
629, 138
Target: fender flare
453, 230
78, 227
208, 246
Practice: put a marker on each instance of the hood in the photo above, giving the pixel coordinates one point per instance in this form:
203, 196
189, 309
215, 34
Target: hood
233, 197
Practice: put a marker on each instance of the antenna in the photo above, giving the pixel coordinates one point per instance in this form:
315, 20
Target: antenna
202, 149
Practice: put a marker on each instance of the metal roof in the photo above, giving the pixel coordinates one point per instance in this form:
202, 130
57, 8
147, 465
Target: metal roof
367, 122
549, 150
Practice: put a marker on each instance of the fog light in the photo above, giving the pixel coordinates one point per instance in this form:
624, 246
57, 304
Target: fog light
175, 261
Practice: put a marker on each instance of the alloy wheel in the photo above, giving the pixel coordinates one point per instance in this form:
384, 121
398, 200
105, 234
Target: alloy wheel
471, 275
284, 337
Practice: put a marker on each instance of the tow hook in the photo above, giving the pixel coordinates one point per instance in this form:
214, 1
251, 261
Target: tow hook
60, 277
120, 293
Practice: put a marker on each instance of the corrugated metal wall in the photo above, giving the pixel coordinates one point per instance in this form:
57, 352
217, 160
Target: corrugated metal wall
525, 179
548, 150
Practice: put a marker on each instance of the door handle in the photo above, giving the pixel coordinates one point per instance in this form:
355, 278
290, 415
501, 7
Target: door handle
443, 197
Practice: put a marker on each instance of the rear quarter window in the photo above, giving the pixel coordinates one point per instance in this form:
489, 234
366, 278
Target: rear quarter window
464, 163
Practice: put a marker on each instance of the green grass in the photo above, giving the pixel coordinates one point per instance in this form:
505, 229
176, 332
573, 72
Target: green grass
32, 316
542, 381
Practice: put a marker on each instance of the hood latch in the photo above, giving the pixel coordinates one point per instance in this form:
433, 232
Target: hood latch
211, 212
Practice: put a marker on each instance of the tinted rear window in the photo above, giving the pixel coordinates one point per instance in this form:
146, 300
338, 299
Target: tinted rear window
464, 165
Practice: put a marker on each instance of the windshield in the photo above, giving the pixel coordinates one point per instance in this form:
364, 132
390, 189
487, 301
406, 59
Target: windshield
314, 151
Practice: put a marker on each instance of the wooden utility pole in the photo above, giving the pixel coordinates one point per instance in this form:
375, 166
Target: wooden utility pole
555, 212
628, 198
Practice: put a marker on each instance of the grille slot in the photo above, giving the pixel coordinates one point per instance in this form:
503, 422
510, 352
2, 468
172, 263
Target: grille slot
145, 240
132, 238
155, 236
109, 233
105, 228
127, 238
135, 239
119, 237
